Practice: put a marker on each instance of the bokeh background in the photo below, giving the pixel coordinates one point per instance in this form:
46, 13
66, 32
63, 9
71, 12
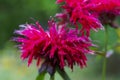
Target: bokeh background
16, 12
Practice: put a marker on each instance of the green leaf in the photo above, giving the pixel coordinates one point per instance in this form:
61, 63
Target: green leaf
41, 76
63, 74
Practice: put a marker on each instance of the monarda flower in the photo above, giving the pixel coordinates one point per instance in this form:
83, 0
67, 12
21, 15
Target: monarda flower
91, 14
107, 11
58, 46
79, 11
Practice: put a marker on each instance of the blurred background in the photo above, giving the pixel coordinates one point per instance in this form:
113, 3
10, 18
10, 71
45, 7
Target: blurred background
16, 12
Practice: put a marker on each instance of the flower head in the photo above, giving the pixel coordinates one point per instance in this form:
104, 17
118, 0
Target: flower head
58, 46
91, 14
79, 11
107, 11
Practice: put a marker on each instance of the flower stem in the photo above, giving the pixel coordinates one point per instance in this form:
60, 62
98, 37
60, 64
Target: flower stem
63, 74
52, 77
105, 59
104, 69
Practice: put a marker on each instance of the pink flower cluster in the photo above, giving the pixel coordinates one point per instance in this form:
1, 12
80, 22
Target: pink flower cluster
59, 45
91, 14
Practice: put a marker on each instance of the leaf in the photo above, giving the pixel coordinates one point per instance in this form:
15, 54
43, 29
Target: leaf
117, 47
101, 53
118, 32
63, 74
41, 76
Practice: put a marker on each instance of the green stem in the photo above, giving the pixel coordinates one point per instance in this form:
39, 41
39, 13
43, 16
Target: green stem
63, 74
104, 69
52, 77
105, 60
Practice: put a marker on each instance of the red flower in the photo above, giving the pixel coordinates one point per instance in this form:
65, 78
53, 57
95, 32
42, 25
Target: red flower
79, 11
91, 14
107, 10
58, 46
107, 6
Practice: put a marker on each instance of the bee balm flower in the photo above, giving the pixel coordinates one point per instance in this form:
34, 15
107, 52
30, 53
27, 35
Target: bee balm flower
91, 14
79, 11
107, 11
58, 46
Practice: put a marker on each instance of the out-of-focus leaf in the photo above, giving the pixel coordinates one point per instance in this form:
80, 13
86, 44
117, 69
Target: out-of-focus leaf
101, 53
16, 12
118, 32
117, 47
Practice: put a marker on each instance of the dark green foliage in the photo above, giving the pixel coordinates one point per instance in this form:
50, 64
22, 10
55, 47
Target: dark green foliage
16, 12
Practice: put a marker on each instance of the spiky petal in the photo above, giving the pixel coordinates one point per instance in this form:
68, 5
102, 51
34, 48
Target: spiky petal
58, 46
